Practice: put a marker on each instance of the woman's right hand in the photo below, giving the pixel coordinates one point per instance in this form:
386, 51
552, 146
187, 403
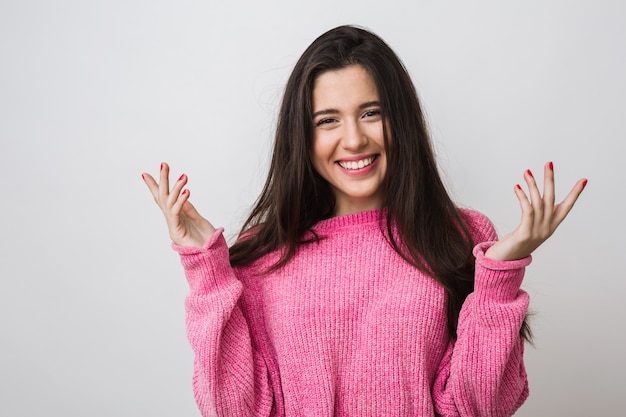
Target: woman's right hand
186, 226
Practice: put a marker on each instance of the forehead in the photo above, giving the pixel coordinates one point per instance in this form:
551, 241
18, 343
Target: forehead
351, 85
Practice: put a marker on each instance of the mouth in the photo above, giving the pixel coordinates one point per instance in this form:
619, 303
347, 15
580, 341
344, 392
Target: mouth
360, 164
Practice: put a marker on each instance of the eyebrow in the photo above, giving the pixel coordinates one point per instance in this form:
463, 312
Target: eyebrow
334, 111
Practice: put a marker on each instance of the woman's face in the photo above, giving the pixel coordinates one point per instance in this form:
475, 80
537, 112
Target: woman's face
348, 144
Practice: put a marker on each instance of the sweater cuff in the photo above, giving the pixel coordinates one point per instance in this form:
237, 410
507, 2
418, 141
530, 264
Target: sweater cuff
500, 280
207, 267
211, 242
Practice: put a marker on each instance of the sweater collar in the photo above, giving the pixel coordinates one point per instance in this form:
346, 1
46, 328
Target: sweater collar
355, 219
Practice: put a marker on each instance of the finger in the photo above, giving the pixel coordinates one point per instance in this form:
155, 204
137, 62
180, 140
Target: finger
152, 185
180, 202
525, 205
176, 189
564, 207
548, 185
533, 190
164, 183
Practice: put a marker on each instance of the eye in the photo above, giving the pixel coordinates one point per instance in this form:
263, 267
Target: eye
324, 121
371, 113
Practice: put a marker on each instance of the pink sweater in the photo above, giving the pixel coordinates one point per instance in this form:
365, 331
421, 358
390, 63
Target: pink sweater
348, 328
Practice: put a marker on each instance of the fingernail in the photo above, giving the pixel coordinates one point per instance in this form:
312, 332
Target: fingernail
550, 166
181, 177
161, 166
584, 183
518, 186
142, 177
529, 173
184, 192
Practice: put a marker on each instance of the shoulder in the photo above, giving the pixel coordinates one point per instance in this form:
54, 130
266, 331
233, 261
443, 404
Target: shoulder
479, 225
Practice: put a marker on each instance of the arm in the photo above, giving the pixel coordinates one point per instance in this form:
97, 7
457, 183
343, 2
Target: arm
230, 376
482, 373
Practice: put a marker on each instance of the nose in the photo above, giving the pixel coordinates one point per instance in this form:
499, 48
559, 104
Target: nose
354, 137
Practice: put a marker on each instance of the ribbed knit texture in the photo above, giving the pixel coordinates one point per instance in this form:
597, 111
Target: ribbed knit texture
348, 328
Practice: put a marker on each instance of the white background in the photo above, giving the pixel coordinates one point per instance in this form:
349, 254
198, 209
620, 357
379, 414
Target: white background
93, 93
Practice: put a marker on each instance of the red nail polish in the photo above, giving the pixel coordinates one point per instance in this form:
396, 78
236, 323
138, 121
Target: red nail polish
161, 167
184, 192
529, 173
584, 183
181, 177
142, 177
550, 166
518, 186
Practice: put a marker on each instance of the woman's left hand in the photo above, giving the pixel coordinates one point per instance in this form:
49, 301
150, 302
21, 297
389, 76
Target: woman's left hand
540, 217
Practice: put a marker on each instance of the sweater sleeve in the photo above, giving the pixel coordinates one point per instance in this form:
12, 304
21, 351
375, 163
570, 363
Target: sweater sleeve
230, 376
482, 372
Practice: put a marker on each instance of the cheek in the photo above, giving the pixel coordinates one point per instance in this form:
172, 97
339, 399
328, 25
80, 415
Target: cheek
320, 151
375, 133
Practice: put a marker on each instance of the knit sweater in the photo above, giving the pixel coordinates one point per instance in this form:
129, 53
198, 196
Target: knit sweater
348, 328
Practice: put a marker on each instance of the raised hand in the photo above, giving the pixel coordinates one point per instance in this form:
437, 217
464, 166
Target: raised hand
186, 226
540, 217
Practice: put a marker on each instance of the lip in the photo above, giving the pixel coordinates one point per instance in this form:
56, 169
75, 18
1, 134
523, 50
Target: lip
360, 171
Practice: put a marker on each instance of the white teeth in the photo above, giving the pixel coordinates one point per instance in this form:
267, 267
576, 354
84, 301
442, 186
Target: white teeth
357, 164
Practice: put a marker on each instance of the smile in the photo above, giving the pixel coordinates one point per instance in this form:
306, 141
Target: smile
352, 165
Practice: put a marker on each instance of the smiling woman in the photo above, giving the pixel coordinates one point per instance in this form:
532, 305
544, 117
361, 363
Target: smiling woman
357, 287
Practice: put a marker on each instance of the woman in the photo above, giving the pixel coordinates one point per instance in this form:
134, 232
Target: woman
357, 287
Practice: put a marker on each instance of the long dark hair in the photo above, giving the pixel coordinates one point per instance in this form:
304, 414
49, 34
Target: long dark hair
421, 222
